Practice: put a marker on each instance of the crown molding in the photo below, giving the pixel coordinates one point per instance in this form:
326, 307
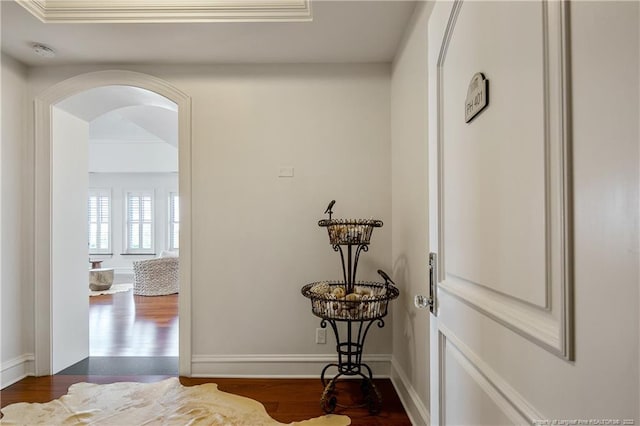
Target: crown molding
176, 11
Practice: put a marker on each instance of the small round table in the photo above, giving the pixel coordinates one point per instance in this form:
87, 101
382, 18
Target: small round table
100, 279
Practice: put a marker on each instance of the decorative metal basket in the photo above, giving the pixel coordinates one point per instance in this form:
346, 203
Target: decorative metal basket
350, 231
369, 300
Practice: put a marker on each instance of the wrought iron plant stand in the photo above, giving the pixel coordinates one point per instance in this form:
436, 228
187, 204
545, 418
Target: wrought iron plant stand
350, 307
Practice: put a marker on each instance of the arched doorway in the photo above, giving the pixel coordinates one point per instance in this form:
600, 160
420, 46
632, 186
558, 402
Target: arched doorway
44, 347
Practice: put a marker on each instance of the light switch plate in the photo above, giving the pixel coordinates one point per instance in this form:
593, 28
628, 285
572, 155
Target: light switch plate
285, 172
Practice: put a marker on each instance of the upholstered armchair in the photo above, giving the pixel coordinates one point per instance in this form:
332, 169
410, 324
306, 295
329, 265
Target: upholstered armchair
155, 277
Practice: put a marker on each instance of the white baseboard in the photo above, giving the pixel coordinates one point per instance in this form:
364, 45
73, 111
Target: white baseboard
278, 366
16, 369
416, 409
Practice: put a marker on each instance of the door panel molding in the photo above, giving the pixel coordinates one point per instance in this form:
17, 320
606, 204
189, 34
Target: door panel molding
550, 325
512, 404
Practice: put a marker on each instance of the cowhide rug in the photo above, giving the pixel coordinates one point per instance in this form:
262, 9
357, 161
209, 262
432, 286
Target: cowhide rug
162, 403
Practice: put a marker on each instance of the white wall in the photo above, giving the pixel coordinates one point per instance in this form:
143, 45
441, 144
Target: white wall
69, 270
255, 235
162, 184
16, 350
410, 215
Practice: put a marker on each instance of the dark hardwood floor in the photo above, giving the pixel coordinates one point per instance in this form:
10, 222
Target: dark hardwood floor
127, 325
286, 400
122, 324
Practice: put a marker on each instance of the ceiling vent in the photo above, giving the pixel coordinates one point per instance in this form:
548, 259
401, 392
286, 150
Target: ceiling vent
42, 50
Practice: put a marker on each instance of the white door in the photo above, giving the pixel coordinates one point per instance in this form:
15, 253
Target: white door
503, 335
69, 254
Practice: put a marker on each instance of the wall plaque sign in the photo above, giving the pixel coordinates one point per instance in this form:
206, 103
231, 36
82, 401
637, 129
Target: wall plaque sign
477, 97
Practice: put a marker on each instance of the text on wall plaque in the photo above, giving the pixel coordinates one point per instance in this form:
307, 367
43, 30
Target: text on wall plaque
477, 97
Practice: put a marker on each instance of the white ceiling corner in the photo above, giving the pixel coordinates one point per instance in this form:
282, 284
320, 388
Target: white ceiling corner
156, 11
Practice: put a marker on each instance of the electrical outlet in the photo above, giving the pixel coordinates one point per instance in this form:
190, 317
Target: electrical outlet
321, 336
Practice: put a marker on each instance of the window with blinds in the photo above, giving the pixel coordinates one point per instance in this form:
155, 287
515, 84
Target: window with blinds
139, 218
174, 221
99, 217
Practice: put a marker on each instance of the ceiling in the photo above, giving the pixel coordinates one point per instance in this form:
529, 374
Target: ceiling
140, 123
93, 103
131, 130
355, 31
125, 113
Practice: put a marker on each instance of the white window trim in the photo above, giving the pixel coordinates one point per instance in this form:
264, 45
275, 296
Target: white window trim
126, 248
109, 248
171, 222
